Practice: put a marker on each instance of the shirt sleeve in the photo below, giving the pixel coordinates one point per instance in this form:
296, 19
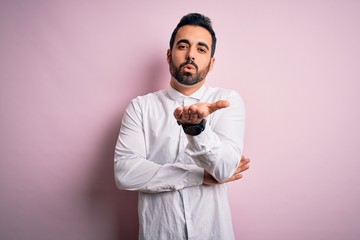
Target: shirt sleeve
219, 147
134, 172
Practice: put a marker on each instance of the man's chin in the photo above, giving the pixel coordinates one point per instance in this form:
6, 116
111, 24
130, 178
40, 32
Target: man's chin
187, 81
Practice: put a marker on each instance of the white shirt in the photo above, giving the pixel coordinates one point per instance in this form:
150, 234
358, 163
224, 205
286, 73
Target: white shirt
154, 156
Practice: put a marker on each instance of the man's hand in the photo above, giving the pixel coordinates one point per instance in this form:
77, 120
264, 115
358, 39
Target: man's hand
195, 113
243, 165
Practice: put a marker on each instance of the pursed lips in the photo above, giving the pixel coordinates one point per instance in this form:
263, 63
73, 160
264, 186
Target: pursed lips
189, 67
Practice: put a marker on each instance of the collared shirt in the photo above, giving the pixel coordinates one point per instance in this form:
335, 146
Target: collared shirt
154, 156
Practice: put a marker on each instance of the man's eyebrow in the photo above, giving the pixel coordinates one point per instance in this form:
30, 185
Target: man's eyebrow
183, 41
188, 42
203, 44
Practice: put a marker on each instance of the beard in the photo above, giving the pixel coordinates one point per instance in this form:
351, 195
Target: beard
188, 78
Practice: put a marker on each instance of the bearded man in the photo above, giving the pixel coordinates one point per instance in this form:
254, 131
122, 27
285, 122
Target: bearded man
180, 146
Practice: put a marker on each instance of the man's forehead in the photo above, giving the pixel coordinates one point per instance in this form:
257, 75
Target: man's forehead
193, 34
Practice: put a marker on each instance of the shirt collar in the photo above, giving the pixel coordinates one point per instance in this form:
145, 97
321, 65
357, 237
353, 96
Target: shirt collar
175, 95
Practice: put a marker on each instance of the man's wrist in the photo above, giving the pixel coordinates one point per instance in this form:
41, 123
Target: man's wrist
193, 129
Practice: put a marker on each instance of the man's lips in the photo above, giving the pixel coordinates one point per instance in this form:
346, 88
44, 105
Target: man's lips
189, 67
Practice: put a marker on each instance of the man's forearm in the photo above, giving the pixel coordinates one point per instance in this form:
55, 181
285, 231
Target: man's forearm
219, 157
145, 176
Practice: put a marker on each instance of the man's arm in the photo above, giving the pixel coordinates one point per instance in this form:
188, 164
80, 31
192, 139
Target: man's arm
134, 172
219, 147
243, 166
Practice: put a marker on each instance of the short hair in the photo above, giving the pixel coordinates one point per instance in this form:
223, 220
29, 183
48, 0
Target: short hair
195, 19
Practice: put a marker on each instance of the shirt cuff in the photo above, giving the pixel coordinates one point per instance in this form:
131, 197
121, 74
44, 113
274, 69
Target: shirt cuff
195, 176
201, 143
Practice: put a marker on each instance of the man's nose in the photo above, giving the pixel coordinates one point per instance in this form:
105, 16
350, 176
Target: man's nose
191, 54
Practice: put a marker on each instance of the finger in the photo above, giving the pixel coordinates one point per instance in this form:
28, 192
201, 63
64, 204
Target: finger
243, 165
244, 160
218, 105
193, 115
201, 114
193, 108
234, 178
186, 114
242, 169
193, 118
222, 104
178, 113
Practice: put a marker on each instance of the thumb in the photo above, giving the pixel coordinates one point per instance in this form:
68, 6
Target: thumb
218, 105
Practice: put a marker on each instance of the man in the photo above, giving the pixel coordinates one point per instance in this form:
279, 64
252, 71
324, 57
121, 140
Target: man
180, 146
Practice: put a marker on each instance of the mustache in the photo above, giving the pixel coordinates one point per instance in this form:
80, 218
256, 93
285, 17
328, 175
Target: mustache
189, 62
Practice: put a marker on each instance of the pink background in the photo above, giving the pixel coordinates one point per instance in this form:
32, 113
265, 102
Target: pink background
69, 68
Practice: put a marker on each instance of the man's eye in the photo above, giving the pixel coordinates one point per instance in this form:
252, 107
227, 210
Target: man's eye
182, 46
202, 50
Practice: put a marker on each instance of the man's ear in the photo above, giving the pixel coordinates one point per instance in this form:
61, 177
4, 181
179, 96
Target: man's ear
212, 61
168, 56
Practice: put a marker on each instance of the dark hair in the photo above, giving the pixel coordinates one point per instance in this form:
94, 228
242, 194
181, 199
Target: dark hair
195, 19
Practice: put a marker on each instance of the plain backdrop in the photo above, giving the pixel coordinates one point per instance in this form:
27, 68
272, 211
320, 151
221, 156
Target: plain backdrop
69, 68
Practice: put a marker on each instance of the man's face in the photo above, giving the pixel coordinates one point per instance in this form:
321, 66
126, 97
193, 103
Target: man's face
190, 58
